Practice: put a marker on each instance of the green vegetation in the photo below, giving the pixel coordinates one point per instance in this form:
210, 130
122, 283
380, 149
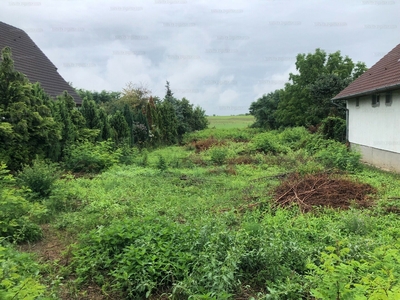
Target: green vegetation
203, 221
230, 122
32, 125
131, 197
306, 98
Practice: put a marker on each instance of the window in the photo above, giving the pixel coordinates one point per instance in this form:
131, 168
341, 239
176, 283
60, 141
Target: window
375, 100
388, 99
357, 101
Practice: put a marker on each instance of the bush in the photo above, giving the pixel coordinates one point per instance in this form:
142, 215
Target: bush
144, 160
161, 164
268, 142
92, 157
294, 137
16, 213
141, 255
218, 156
128, 154
39, 178
333, 128
18, 279
336, 155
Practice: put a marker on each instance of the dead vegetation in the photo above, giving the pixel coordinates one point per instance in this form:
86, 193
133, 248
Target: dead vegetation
322, 190
202, 145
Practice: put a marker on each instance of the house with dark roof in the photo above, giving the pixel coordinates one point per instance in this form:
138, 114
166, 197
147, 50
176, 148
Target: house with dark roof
32, 62
373, 112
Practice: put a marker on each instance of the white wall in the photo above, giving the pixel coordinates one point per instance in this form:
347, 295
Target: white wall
377, 127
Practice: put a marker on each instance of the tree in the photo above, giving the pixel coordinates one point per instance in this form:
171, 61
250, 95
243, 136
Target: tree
100, 98
105, 132
72, 122
169, 123
188, 119
90, 111
27, 127
199, 119
305, 100
119, 128
264, 110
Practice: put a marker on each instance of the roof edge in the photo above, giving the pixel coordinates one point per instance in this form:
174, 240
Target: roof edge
381, 89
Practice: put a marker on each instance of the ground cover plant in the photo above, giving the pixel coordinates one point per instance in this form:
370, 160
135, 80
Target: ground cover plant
227, 122
228, 214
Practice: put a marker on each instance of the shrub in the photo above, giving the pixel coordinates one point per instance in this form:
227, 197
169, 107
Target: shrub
144, 160
161, 163
16, 213
341, 277
39, 177
316, 142
90, 157
333, 128
294, 137
18, 279
336, 155
127, 154
218, 156
140, 254
268, 142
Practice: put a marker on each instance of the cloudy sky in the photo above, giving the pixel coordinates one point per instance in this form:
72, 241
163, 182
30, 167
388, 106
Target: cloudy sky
221, 55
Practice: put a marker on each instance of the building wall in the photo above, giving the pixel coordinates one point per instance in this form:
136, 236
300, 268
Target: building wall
383, 159
375, 127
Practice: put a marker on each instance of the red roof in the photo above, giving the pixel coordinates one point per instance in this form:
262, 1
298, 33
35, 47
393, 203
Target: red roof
384, 75
32, 62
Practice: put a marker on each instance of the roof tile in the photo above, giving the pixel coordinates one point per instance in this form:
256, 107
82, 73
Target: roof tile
385, 74
32, 62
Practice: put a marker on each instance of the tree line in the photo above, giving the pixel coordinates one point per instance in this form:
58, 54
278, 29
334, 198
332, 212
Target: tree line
33, 125
305, 99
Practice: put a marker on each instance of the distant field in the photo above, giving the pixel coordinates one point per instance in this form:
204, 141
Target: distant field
230, 121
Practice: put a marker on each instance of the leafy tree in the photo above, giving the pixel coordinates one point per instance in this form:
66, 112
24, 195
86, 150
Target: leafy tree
305, 99
264, 110
199, 120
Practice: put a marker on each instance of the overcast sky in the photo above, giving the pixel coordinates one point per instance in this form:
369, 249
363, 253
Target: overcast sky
221, 55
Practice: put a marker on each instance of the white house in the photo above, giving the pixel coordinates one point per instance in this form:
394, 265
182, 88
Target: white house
373, 112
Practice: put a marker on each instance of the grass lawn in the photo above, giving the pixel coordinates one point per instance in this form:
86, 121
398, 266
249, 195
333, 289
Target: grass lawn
230, 121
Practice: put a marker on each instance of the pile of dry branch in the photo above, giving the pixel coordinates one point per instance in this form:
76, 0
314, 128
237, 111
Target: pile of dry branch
322, 190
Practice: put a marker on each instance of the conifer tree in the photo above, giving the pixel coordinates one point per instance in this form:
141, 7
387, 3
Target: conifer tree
27, 126
119, 128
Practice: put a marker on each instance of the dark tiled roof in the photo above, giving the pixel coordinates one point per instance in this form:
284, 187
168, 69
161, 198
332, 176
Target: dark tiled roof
384, 75
31, 61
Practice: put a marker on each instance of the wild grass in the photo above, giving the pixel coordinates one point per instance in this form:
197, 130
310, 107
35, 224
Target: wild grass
230, 122
187, 224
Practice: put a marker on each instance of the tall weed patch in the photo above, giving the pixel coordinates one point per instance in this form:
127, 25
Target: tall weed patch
269, 142
18, 275
140, 255
18, 216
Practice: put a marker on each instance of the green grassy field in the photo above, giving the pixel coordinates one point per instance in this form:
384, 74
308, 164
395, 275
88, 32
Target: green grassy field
207, 220
230, 121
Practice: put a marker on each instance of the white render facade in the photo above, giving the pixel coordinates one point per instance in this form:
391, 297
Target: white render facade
374, 128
